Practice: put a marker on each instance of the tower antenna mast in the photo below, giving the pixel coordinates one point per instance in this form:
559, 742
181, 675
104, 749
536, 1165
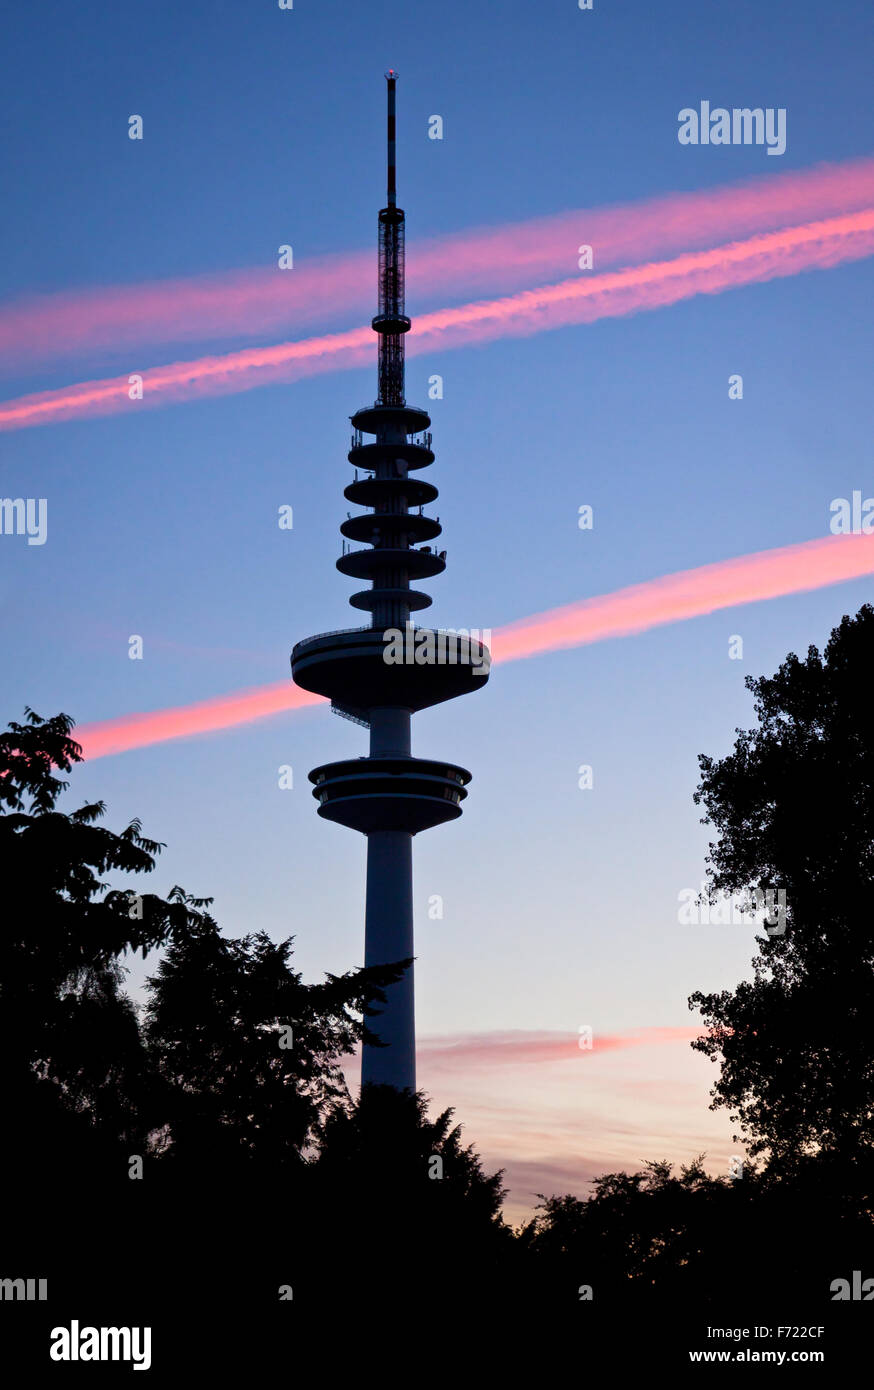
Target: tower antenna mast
391, 323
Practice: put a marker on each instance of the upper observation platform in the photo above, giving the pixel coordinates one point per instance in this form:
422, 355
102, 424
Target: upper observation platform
351, 667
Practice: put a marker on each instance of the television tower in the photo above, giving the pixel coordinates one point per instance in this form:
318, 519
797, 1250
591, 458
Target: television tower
379, 681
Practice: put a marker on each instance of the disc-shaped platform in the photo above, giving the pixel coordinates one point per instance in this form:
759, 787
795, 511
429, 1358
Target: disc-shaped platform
391, 323
369, 599
406, 418
385, 525
409, 794
367, 564
372, 455
371, 492
411, 668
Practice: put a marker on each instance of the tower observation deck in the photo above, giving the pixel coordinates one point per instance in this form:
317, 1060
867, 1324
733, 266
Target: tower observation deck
369, 676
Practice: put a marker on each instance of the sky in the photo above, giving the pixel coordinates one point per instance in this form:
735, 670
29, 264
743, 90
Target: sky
264, 128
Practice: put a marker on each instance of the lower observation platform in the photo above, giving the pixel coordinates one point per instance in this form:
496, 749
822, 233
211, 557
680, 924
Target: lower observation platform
407, 794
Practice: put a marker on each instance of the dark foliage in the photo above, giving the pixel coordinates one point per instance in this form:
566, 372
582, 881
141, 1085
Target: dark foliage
794, 807
259, 1172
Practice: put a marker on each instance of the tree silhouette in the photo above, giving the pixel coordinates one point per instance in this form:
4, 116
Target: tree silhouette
388, 1144
70, 1053
205, 1083
403, 1187
794, 807
644, 1234
247, 1056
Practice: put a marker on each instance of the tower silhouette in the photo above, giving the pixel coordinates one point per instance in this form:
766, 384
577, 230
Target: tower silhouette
381, 674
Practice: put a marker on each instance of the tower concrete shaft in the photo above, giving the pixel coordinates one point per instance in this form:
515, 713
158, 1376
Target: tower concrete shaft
390, 796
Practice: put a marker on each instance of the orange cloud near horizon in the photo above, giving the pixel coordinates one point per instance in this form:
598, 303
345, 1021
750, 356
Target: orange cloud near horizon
637, 608
517, 1046
584, 298
467, 1052
552, 1125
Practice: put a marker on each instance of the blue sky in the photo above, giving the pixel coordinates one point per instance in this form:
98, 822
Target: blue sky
264, 127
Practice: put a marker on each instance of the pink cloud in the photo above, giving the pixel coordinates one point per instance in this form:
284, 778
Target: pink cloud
520, 1048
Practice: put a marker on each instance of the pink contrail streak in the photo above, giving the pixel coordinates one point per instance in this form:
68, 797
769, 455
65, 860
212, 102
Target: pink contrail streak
766, 574
123, 319
207, 716
791, 569
581, 299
